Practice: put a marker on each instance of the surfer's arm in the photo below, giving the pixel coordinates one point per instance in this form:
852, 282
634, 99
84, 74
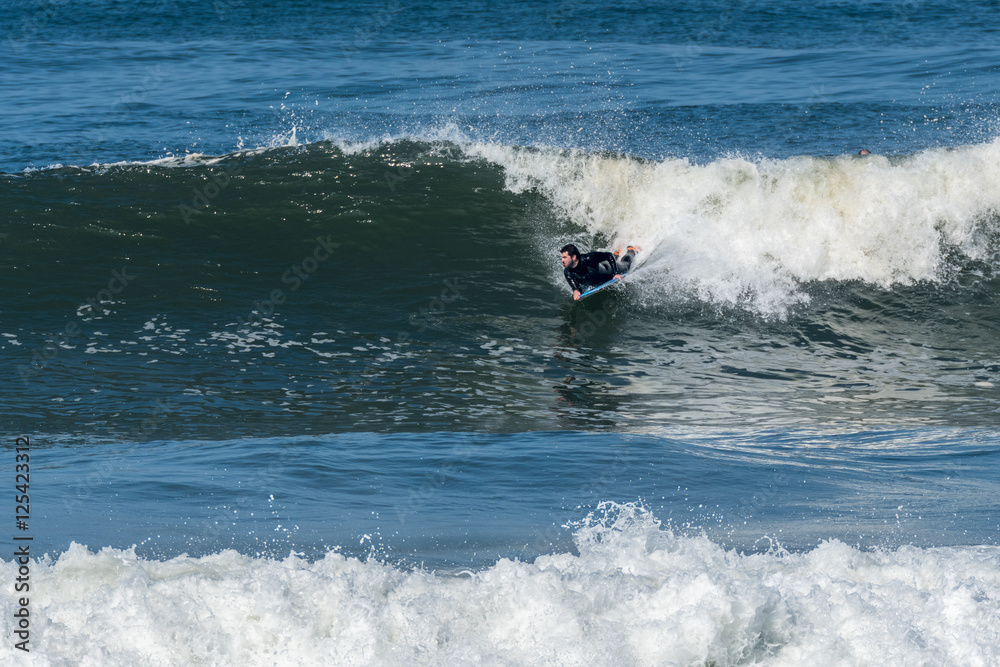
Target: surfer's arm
574, 283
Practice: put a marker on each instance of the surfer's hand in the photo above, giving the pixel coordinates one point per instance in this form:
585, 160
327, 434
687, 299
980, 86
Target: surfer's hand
618, 276
576, 295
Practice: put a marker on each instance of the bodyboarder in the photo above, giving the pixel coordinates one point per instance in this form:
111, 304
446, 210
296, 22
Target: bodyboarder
593, 268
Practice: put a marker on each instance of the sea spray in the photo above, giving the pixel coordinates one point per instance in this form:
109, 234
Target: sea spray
635, 594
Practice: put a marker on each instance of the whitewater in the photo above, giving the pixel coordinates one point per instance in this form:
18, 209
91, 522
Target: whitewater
636, 593
283, 318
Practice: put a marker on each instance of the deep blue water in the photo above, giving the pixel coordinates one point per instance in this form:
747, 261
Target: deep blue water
282, 278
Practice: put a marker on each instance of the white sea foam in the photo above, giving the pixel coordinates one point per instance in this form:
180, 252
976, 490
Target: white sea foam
753, 231
636, 594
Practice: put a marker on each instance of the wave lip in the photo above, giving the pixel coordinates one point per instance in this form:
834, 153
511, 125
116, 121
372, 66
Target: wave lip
740, 231
635, 594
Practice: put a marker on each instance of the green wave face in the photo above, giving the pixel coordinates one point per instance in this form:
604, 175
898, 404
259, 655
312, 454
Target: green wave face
415, 285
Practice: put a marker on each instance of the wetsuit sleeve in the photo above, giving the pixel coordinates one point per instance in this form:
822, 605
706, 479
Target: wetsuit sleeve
574, 284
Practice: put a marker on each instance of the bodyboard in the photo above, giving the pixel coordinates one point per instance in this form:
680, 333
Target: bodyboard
594, 290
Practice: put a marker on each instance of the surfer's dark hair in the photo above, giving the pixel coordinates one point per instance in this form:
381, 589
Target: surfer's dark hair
571, 249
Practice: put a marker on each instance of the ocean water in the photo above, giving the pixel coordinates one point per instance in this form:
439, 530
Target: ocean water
283, 320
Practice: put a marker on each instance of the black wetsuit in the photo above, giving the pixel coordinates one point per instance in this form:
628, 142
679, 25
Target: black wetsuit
593, 269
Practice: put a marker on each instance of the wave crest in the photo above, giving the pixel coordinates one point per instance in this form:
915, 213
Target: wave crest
635, 595
736, 230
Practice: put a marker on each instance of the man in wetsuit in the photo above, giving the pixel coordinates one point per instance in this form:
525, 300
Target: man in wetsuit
594, 268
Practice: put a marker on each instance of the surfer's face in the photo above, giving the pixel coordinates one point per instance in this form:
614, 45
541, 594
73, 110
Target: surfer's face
569, 262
